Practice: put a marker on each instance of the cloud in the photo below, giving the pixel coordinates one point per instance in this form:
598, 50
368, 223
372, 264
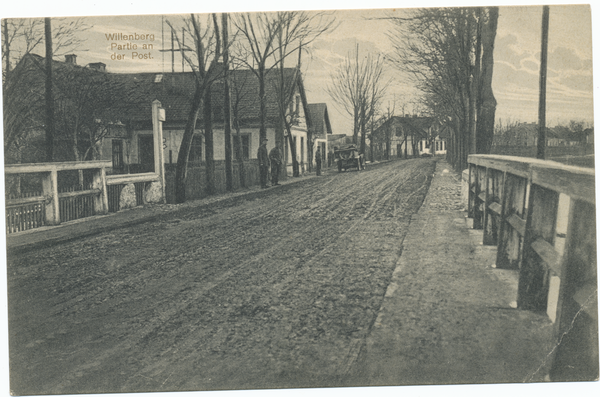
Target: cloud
565, 58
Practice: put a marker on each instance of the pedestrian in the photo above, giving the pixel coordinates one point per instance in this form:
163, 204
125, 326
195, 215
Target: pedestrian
263, 163
275, 157
318, 160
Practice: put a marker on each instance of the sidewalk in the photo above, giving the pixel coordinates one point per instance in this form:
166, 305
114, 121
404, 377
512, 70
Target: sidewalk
50, 235
448, 316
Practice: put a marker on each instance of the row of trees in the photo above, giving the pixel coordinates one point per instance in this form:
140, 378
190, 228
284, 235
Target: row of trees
448, 52
260, 42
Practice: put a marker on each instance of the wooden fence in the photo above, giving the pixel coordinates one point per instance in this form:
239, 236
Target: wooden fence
24, 212
51, 206
541, 215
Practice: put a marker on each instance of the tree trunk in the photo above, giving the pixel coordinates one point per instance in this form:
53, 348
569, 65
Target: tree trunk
240, 156
209, 142
487, 109
184, 148
263, 104
227, 108
295, 165
474, 95
50, 127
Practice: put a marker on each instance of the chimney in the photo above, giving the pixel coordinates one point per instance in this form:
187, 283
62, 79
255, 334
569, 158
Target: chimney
99, 66
71, 58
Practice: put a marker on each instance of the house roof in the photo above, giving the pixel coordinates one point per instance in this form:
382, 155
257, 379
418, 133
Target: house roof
319, 118
135, 92
417, 125
176, 90
524, 130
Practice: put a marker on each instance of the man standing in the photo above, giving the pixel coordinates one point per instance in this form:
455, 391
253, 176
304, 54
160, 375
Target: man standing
263, 163
275, 157
318, 159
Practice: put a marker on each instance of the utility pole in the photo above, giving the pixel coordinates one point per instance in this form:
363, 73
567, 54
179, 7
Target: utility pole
49, 99
541, 142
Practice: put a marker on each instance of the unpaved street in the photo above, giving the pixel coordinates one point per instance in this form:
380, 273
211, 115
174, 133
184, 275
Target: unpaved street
278, 289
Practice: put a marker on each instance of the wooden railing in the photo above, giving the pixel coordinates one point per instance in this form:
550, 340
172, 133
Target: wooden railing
24, 212
116, 183
541, 215
51, 199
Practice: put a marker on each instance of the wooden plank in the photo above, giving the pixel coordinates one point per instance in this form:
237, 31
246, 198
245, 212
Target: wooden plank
576, 182
131, 178
89, 192
25, 200
548, 254
586, 297
62, 166
511, 164
517, 223
496, 208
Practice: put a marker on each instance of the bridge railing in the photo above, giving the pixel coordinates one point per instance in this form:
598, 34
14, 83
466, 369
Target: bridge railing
45, 208
541, 215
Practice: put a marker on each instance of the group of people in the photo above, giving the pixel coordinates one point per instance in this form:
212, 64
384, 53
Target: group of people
273, 159
268, 159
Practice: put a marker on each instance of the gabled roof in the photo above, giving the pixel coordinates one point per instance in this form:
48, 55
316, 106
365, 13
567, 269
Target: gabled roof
176, 90
135, 92
416, 125
319, 118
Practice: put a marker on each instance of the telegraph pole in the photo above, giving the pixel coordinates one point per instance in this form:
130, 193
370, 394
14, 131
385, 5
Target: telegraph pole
541, 143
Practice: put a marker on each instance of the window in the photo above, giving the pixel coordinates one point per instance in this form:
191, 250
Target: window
196, 148
243, 147
117, 156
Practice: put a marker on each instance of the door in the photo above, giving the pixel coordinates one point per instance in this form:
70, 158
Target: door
146, 153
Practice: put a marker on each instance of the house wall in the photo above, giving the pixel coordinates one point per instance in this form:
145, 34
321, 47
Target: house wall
438, 143
300, 136
196, 179
324, 151
172, 141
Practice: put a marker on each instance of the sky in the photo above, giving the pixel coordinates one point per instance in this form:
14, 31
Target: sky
516, 58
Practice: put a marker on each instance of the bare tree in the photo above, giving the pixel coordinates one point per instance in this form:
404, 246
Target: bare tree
358, 87
207, 50
270, 39
22, 37
241, 101
448, 52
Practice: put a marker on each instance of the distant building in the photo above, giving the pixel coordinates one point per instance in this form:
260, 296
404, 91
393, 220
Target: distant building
409, 136
320, 129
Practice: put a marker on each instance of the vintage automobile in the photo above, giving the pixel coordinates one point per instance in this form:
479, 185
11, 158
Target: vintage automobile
348, 157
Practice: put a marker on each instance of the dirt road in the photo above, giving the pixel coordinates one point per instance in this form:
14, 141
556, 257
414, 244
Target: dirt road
279, 290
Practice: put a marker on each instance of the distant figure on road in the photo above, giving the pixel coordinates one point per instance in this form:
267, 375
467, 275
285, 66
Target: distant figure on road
318, 160
263, 163
275, 157
329, 158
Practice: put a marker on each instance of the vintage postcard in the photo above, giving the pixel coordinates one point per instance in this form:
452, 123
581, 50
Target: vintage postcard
259, 198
